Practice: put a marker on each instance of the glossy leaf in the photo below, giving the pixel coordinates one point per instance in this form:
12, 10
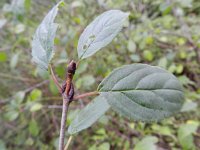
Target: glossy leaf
100, 32
142, 92
43, 40
89, 115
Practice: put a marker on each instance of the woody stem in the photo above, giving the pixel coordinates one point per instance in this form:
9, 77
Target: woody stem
66, 103
55, 79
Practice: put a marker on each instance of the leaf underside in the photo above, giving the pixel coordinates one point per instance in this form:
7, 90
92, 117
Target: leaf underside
142, 92
43, 40
89, 115
100, 32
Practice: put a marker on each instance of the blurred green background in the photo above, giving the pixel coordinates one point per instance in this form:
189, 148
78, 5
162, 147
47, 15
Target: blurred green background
165, 33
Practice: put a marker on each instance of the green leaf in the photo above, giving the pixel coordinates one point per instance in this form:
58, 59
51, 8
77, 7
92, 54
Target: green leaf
89, 115
14, 60
104, 146
164, 130
185, 136
185, 80
100, 32
2, 145
2, 22
27, 4
85, 82
35, 94
11, 115
189, 106
16, 7
142, 92
3, 56
33, 128
135, 58
53, 88
148, 55
43, 40
131, 46
147, 142
19, 97
36, 107
162, 63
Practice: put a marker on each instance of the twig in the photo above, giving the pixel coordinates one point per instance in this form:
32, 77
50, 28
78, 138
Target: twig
55, 79
36, 86
86, 95
26, 90
54, 106
68, 143
67, 95
3, 75
65, 107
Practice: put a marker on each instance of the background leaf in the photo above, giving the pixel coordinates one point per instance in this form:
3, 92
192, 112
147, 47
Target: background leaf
89, 115
142, 92
43, 40
36, 107
147, 142
100, 32
185, 136
3, 56
33, 128
16, 7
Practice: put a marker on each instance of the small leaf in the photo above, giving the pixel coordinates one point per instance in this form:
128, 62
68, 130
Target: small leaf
85, 82
3, 56
135, 58
142, 92
147, 142
14, 60
33, 128
43, 40
131, 46
2, 22
27, 4
89, 115
19, 97
148, 55
11, 115
189, 106
162, 63
104, 146
185, 136
100, 32
2, 145
185, 80
36, 107
16, 7
53, 88
35, 94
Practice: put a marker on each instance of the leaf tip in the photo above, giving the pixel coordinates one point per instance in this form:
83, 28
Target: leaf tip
61, 3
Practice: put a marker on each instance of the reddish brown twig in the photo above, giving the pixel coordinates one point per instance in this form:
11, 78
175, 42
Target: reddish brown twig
55, 79
67, 94
86, 95
71, 69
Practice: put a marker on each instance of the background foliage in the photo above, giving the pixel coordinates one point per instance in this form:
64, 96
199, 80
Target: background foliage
163, 33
